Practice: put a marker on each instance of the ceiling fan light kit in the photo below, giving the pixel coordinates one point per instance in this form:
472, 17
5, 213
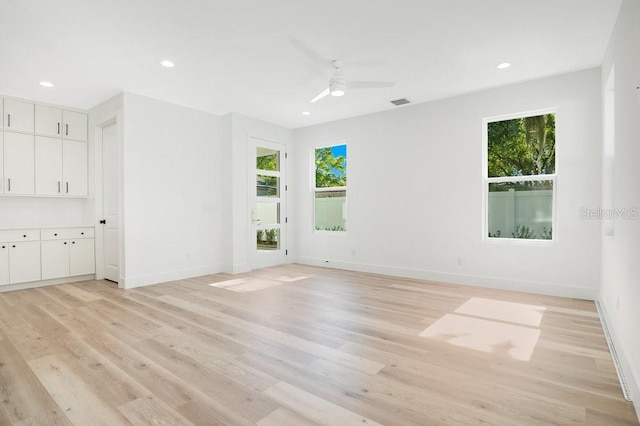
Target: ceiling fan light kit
337, 88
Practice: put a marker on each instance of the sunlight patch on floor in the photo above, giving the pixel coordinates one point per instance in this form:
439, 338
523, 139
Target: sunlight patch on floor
245, 285
290, 279
518, 313
516, 341
492, 326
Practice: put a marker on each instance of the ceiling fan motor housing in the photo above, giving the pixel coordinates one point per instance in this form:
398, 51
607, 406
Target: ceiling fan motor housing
337, 84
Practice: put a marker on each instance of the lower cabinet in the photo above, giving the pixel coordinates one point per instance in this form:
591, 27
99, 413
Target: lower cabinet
24, 262
82, 257
34, 254
19, 256
4, 263
55, 259
19, 262
67, 252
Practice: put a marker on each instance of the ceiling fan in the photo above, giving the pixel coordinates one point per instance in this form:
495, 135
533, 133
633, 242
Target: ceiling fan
338, 85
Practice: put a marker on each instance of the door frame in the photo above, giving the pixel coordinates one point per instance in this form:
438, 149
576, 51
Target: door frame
261, 259
99, 200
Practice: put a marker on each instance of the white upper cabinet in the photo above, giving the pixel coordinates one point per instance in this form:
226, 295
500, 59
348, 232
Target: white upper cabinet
56, 122
74, 167
43, 150
18, 115
48, 159
48, 121
75, 126
19, 164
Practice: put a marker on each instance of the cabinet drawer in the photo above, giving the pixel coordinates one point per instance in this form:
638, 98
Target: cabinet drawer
19, 235
67, 233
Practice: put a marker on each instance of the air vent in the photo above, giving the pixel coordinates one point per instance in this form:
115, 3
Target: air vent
402, 101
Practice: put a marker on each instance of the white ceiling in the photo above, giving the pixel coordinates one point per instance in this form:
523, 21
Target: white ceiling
256, 57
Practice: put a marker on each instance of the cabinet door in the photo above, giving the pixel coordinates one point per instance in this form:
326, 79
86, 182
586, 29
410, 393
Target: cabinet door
18, 115
82, 257
4, 263
55, 259
48, 121
2, 180
74, 168
24, 262
48, 167
18, 163
75, 126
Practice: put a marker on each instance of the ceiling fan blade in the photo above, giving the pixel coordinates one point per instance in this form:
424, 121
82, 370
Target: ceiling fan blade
369, 84
321, 65
324, 93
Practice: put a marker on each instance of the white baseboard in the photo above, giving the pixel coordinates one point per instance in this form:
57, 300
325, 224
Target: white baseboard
631, 372
44, 283
145, 280
461, 279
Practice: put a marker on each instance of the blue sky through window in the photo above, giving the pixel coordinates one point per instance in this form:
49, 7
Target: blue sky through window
337, 151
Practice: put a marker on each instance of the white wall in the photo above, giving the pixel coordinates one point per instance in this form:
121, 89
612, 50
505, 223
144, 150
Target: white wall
417, 156
620, 289
173, 191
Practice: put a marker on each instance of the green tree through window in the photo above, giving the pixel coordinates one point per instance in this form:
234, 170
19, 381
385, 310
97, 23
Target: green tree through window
330, 169
331, 188
520, 180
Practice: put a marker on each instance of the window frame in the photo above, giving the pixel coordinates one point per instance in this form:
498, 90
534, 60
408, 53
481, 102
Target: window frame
315, 189
486, 180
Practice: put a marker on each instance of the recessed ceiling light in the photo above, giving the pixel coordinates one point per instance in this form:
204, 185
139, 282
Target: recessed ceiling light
306, 113
503, 65
167, 64
46, 84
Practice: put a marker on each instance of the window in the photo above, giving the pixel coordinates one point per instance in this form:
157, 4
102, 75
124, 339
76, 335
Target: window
520, 177
331, 188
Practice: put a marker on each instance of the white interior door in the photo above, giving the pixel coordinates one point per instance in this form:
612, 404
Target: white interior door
111, 203
268, 207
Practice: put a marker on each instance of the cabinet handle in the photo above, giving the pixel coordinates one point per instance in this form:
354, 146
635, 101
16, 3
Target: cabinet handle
14, 246
65, 243
66, 131
73, 242
67, 187
3, 246
58, 128
9, 182
82, 233
58, 187
24, 236
8, 120
55, 235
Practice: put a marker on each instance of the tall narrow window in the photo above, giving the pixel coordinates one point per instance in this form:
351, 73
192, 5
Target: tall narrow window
520, 177
331, 188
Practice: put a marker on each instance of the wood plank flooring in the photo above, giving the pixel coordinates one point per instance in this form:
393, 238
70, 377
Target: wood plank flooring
297, 345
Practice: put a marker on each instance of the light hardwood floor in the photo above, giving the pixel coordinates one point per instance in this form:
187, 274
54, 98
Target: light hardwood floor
296, 345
